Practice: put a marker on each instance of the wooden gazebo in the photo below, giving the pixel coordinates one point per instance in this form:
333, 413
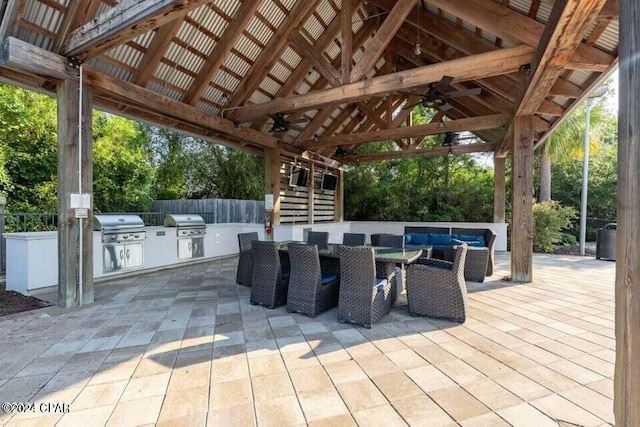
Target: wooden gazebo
225, 70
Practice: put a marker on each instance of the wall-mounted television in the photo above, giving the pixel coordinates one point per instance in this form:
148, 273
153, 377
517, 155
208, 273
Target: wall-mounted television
329, 182
299, 176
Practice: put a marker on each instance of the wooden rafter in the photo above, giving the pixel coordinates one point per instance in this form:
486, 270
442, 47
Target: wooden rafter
221, 50
470, 124
471, 68
555, 49
22, 56
508, 24
277, 43
411, 153
123, 22
12, 12
346, 50
375, 48
73, 8
161, 40
320, 62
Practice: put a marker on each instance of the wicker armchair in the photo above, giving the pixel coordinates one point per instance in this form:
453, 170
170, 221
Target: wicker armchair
245, 263
353, 239
310, 290
437, 288
363, 299
269, 283
395, 241
320, 238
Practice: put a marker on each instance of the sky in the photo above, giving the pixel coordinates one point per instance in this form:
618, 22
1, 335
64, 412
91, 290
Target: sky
612, 102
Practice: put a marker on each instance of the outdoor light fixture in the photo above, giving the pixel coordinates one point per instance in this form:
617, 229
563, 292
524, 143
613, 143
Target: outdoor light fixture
417, 48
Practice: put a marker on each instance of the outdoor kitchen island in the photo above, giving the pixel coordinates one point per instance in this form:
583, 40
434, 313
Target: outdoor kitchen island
32, 258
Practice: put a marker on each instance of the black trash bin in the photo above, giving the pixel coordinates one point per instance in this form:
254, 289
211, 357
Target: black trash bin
606, 243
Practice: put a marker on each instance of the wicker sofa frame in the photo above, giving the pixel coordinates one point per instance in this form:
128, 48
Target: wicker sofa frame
488, 235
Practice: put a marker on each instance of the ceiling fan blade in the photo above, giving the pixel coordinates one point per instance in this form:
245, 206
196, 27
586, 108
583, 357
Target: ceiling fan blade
445, 107
410, 106
465, 92
444, 82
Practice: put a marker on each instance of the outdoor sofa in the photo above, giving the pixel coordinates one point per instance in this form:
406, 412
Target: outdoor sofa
442, 239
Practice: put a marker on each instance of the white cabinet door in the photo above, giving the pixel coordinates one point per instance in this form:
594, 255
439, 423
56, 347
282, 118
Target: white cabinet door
113, 258
134, 255
184, 248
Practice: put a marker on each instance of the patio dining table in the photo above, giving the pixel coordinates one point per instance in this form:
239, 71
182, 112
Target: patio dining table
382, 254
386, 258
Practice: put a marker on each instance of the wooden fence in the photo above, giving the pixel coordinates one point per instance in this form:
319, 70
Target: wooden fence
215, 211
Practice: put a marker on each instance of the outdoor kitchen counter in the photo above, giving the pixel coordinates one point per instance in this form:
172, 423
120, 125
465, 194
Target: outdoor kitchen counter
32, 261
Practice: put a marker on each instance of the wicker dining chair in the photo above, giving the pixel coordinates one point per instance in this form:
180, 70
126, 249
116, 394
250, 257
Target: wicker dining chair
353, 239
391, 241
436, 288
320, 238
245, 263
395, 241
311, 291
375, 238
269, 282
363, 299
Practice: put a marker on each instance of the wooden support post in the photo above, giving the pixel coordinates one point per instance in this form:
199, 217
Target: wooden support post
626, 392
272, 183
498, 189
68, 225
311, 191
522, 206
338, 203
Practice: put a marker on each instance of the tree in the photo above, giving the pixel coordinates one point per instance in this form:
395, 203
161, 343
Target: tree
28, 161
567, 141
123, 174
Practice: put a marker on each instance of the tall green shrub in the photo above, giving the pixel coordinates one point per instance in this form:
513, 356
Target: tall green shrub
549, 219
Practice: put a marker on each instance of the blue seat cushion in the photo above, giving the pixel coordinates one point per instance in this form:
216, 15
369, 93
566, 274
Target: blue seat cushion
476, 244
328, 278
470, 239
407, 238
380, 284
285, 274
439, 239
419, 239
440, 247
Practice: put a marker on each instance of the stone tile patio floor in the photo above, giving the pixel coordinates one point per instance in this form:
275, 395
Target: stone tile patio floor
184, 347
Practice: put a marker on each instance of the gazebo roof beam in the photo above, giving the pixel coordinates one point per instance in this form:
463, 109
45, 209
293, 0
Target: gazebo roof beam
554, 51
468, 124
122, 23
411, 153
509, 24
471, 68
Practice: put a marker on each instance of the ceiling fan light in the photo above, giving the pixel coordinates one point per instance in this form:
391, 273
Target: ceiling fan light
417, 48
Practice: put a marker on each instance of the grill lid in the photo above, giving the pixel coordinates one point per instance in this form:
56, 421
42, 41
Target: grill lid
184, 221
117, 222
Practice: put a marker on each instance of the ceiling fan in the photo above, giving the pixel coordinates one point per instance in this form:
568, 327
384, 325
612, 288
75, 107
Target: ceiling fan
436, 97
280, 124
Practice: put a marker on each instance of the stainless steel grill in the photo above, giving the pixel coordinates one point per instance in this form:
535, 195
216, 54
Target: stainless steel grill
122, 241
190, 229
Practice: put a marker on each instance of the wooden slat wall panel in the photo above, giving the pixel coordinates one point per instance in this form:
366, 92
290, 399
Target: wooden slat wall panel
294, 202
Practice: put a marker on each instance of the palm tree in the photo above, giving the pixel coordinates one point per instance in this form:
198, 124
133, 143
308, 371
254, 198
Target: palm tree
567, 140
